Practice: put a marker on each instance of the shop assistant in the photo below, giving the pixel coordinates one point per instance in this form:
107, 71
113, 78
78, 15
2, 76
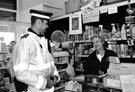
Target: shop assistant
98, 61
32, 62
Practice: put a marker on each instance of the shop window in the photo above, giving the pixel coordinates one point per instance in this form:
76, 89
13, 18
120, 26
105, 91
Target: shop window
8, 4
7, 16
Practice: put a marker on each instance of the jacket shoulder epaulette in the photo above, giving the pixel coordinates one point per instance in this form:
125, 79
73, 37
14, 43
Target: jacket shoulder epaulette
25, 36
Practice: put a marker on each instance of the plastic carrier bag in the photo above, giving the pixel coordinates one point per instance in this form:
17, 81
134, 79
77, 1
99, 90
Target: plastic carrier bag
73, 86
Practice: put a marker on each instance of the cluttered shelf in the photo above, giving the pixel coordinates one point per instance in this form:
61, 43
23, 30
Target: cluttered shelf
110, 5
108, 40
99, 8
120, 46
119, 56
82, 41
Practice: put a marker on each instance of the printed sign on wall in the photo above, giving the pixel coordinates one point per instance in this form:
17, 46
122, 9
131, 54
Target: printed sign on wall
75, 23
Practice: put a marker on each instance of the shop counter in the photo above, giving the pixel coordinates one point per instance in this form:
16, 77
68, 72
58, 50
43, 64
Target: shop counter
94, 87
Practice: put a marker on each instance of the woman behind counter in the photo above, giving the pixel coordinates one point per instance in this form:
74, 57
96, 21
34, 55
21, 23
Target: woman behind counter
98, 61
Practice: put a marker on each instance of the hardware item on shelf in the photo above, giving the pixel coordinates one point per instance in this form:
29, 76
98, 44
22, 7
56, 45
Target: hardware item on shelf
118, 33
2, 82
133, 30
130, 19
113, 32
130, 10
123, 32
2, 44
5, 74
94, 78
128, 30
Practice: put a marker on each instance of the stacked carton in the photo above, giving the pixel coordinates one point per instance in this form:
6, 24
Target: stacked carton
115, 70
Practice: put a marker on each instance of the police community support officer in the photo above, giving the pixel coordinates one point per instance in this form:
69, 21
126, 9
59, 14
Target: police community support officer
32, 62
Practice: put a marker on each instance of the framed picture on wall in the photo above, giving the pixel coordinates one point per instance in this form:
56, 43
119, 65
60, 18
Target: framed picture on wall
75, 21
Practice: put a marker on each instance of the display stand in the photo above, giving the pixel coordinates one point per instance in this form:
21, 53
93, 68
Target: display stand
61, 59
5, 74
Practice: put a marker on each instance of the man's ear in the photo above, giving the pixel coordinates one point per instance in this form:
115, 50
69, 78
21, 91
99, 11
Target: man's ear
38, 22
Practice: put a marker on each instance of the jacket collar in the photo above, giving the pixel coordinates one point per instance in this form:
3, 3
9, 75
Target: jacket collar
39, 35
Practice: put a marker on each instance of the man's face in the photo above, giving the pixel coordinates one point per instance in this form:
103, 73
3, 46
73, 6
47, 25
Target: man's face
43, 26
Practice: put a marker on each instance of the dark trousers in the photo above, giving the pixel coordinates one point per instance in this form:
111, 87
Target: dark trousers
20, 86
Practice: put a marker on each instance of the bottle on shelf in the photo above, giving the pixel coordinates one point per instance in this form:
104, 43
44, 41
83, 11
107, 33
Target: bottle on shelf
123, 32
123, 50
66, 35
101, 30
103, 2
118, 33
133, 30
113, 32
84, 35
109, 46
128, 30
89, 32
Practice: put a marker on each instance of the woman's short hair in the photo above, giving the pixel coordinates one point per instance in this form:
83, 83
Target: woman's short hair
105, 44
97, 36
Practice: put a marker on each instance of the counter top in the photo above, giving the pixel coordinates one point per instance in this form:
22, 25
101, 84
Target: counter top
80, 79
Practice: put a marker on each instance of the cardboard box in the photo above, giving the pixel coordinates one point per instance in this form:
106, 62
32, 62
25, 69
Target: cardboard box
112, 83
60, 54
72, 6
61, 60
113, 59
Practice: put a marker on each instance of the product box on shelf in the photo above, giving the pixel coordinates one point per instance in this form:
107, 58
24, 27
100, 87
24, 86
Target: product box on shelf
72, 6
3, 56
2, 46
114, 1
61, 60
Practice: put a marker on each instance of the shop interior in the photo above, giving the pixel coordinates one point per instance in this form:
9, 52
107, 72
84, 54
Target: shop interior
72, 25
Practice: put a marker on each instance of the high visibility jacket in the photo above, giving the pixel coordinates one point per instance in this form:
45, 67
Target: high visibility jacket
32, 63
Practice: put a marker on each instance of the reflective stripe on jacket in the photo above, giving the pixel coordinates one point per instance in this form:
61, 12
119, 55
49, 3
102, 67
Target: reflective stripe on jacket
33, 63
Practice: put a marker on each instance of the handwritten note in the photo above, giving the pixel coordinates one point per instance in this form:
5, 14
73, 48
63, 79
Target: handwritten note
128, 83
112, 10
103, 9
95, 18
87, 17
